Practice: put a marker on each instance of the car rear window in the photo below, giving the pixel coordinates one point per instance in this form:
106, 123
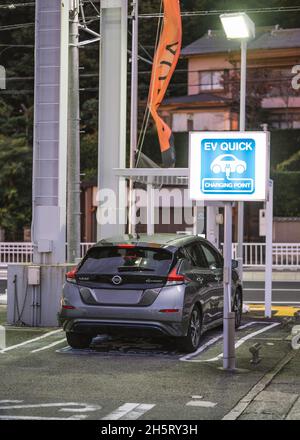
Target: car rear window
113, 260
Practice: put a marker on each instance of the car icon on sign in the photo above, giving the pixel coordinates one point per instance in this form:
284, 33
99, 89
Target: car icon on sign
228, 163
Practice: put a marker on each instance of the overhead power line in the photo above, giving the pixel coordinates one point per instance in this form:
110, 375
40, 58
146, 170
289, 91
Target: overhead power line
17, 5
16, 26
228, 11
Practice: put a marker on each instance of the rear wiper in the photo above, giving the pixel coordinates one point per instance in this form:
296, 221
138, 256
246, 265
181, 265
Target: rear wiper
134, 269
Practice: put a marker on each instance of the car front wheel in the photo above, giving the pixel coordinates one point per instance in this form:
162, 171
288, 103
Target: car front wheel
78, 340
190, 342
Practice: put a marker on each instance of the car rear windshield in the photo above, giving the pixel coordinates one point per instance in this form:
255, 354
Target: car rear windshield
113, 260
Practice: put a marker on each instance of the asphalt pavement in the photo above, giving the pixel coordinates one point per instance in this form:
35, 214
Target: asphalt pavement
127, 379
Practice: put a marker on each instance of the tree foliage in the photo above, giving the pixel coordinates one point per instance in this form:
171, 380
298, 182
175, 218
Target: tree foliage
15, 186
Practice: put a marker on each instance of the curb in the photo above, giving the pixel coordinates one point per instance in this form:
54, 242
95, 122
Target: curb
242, 405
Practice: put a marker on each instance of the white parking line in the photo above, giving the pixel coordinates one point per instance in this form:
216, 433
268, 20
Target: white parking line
188, 357
49, 346
64, 407
213, 341
254, 289
202, 348
138, 411
129, 411
75, 417
201, 403
29, 341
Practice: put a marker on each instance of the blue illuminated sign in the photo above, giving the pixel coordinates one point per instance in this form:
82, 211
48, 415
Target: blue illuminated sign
227, 166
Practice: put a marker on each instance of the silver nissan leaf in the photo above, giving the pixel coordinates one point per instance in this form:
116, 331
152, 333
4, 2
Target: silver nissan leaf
169, 285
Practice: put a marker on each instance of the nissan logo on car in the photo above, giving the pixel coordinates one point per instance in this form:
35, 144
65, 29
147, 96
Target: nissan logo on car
116, 280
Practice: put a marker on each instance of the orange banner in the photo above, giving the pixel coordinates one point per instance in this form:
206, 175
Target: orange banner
164, 64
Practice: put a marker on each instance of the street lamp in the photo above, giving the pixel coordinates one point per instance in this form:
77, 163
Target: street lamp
238, 26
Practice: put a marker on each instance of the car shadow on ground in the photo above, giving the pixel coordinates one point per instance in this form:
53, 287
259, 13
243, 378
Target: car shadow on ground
133, 346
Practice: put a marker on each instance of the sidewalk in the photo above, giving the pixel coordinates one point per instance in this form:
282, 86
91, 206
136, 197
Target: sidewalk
254, 274
275, 397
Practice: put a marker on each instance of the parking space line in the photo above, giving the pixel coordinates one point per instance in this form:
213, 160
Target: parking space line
213, 341
138, 411
64, 407
241, 341
75, 417
49, 346
254, 289
202, 348
129, 411
201, 403
29, 341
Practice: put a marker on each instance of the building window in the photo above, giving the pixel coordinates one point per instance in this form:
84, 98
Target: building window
211, 80
284, 121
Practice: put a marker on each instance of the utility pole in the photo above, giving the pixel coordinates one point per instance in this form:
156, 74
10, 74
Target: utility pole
134, 110
73, 174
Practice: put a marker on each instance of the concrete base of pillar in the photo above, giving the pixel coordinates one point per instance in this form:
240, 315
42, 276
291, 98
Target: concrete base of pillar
34, 305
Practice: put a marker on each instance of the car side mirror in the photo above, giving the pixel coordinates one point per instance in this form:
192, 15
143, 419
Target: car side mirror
235, 264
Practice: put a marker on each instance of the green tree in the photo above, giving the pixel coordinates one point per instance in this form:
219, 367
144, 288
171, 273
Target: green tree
15, 186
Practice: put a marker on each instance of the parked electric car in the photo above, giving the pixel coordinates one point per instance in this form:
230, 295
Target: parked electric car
169, 285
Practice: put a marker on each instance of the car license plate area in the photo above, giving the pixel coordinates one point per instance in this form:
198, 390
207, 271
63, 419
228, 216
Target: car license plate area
118, 296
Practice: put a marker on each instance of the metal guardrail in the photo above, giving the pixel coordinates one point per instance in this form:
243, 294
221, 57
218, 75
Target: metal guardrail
21, 252
284, 254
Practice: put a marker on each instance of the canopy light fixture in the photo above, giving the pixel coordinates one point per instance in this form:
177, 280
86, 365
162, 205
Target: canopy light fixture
238, 26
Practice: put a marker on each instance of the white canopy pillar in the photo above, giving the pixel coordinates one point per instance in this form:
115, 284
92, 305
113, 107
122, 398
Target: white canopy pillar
50, 131
112, 115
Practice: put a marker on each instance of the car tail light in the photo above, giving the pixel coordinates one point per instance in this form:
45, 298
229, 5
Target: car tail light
71, 275
169, 310
174, 277
126, 246
65, 305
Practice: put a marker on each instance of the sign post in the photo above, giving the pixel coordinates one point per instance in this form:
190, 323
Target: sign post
228, 166
269, 252
228, 316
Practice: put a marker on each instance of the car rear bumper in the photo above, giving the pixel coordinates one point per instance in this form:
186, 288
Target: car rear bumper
122, 327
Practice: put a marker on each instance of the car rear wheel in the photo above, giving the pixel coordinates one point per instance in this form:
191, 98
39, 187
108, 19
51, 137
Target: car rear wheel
78, 340
190, 342
238, 308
